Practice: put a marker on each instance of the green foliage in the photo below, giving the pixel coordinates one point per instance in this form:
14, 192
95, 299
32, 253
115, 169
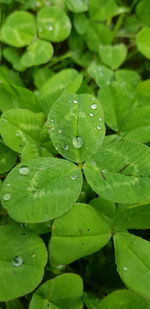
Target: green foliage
74, 154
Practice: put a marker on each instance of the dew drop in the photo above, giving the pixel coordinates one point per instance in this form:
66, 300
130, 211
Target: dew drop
60, 266
93, 99
50, 27
17, 261
125, 268
17, 134
66, 147
99, 128
8, 185
77, 142
75, 101
33, 255
24, 170
100, 119
91, 115
6, 197
59, 131
73, 177
94, 106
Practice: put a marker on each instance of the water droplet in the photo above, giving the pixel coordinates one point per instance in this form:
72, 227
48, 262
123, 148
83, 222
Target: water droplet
52, 120
24, 170
17, 134
75, 101
99, 128
93, 99
125, 268
73, 177
77, 142
33, 255
91, 115
66, 147
6, 197
94, 106
8, 185
100, 119
50, 27
17, 261
59, 131
60, 266
107, 83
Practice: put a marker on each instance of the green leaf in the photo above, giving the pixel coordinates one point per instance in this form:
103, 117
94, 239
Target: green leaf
97, 33
37, 53
133, 263
127, 76
120, 172
53, 24
106, 209
19, 29
55, 86
78, 233
80, 23
123, 299
101, 74
77, 6
7, 158
134, 216
20, 126
48, 187
64, 291
22, 259
76, 126
142, 12
13, 96
143, 42
117, 101
104, 10
113, 56
13, 56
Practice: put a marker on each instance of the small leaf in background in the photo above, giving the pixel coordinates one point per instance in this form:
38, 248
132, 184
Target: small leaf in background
23, 257
77, 6
106, 209
142, 12
19, 29
123, 299
7, 158
104, 10
53, 24
64, 291
128, 76
133, 263
81, 23
80, 232
48, 187
101, 74
12, 55
20, 126
53, 88
37, 53
113, 56
120, 172
143, 42
77, 126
